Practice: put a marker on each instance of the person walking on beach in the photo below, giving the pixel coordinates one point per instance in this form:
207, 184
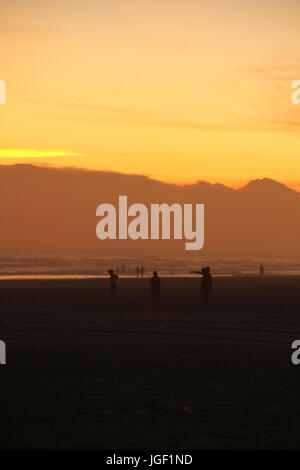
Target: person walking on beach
261, 269
142, 269
137, 270
154, 287
113, 282
206, 284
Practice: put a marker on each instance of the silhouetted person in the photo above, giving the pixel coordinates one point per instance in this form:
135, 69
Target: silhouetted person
206, 284
123, 269
142, 269
137, 270
113, 282
261, 269
154, 287
117, 271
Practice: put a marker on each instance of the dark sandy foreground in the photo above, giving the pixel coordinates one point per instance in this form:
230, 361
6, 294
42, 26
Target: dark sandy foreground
85, 375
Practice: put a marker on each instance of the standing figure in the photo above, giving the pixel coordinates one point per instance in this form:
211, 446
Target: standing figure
113, 282
154, 287
137, 270
206, 284
142, 269
261, 269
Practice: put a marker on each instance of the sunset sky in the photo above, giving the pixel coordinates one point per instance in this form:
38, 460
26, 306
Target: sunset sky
177, 90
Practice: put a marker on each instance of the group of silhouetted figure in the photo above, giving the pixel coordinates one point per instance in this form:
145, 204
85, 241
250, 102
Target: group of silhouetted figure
155, 282
140, 270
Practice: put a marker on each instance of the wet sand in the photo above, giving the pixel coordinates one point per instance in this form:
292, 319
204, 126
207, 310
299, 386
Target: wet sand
82, 373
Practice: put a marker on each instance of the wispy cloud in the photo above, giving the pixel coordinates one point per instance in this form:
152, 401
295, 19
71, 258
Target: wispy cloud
30, 153
270, 85
275, 71
269, 111
150, 118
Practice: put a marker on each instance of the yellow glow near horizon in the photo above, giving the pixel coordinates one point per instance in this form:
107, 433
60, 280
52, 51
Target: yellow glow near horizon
178, 91
30, 153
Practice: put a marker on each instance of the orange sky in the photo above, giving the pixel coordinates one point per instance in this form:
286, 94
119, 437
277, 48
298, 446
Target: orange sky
180, 91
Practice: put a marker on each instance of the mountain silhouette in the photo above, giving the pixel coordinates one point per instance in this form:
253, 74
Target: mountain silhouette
54, 209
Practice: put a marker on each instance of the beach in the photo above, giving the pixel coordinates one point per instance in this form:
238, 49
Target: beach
83, 372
